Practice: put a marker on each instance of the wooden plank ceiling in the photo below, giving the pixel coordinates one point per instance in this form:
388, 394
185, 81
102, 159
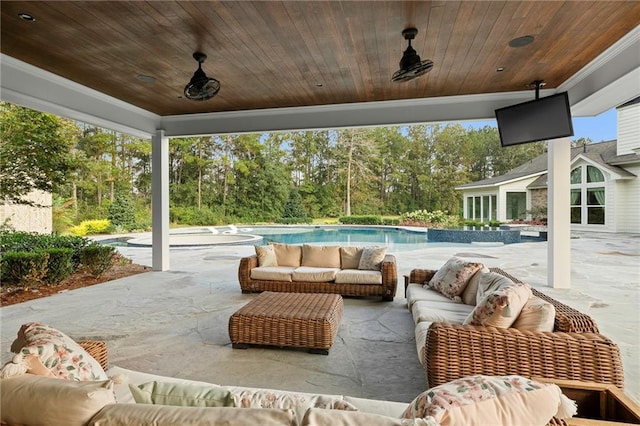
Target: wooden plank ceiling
271, 54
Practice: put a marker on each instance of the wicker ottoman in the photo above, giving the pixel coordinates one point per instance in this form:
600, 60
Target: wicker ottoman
299, 320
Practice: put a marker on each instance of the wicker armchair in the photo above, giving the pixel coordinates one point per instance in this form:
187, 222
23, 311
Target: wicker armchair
387, 290
574, 350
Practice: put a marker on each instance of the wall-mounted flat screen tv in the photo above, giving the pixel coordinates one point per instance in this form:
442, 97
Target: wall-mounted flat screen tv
537, 120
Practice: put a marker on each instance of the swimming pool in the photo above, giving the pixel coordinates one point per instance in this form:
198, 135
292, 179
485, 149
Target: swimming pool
396, 239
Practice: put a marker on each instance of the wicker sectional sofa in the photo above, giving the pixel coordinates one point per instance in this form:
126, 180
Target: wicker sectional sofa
131, 397
573, 350
319, 269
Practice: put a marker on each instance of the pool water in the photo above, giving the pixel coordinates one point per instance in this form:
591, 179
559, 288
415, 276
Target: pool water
395, 239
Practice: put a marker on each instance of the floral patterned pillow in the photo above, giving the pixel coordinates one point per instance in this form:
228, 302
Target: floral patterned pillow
482, 400
371, 258
500, 308
57, 351
453, 277
266, 255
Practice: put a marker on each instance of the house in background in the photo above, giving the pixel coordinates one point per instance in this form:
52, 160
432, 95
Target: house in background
21, 217
605, 184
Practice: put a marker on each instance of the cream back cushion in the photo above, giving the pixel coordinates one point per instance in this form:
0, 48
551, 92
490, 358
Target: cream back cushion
469, 293
350, 257
321, 256
38, 400
536, 315
288, 254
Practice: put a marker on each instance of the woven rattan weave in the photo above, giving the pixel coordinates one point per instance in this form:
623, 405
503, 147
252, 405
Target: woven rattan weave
300, 320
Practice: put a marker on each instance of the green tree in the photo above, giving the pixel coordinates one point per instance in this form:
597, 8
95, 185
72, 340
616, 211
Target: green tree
35, 152
122, 212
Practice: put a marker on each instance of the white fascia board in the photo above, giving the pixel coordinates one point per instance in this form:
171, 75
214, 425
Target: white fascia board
581, 158
32, 87
499, 184
608, 81
362, 114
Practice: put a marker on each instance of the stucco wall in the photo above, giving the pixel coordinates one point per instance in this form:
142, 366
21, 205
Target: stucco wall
29, 219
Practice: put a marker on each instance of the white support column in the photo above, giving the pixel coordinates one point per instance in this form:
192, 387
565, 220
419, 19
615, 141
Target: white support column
160, 201
559, 213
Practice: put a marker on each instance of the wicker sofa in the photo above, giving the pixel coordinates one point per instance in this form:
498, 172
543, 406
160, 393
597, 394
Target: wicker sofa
249, 405
574, 350
381, 282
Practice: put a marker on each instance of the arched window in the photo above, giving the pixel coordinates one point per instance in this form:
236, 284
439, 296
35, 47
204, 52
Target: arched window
587, 196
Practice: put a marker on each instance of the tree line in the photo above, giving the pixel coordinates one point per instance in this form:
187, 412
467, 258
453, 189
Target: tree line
249, 178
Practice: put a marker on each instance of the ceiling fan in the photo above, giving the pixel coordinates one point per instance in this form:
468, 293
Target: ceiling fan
201, 87
410, 65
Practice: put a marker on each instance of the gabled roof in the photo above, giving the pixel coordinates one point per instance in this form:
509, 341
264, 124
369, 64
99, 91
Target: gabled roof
602, 153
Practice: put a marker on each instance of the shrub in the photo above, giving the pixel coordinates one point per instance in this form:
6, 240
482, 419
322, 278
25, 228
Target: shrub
390, 221
26, 241
194, 216
91, 227
60, 265
361, 220
97, 259
434, 219
122, 213
25, 268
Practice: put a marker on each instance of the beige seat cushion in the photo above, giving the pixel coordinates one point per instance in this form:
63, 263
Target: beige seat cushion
272, 273
356, 276
321, 256
416, 292
166, 415
314, 275
421, 338
451, 312
350, 257
288, 254
536, 315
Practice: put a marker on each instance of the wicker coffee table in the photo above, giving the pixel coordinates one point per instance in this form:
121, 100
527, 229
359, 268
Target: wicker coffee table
299, 320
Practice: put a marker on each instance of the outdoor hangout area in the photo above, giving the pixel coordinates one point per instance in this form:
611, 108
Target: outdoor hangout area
370, 361
490, 148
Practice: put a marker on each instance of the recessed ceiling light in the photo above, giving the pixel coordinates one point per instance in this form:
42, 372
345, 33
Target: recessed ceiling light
521, 41
146, 78
26, 17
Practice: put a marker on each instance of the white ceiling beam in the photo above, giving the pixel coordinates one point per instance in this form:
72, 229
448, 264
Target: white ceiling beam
32, 87
608, 81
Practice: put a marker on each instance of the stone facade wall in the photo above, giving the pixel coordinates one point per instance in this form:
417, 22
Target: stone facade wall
27, 218
538, 198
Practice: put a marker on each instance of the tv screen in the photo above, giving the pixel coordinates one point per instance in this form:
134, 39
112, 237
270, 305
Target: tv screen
537, 120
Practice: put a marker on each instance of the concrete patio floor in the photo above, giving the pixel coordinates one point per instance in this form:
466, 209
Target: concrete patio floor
175, 323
